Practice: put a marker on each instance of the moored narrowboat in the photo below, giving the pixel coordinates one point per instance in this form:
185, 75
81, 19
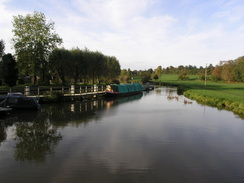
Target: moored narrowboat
116, 90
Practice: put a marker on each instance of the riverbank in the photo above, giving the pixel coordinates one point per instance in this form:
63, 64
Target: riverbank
229, 96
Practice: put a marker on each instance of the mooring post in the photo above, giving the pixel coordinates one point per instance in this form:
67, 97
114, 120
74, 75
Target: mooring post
72, 90
27, 90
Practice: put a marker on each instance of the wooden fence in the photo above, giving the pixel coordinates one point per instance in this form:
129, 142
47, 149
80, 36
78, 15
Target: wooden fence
40, 91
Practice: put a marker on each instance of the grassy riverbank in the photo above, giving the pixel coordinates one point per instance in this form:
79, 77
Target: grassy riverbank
228, 96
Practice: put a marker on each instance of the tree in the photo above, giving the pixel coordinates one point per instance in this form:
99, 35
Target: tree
77, 64
217, 73
33, 40
146, 76
240, 68
158, 72
112, 69
59, 61
9, 70
2, 47
95, 65
124, 76
228, 71
155, 77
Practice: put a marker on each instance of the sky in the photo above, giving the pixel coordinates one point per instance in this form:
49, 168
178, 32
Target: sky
141, 34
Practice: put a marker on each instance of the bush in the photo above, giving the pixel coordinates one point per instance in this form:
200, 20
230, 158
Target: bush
183, 77
52, 96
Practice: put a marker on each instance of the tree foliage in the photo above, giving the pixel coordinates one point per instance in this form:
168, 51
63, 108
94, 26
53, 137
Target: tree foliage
9, 70
83, 65
2, 47
59, 61
34, 38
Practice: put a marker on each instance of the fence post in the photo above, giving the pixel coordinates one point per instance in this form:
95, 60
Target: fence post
95, 88
27, 90
72, 90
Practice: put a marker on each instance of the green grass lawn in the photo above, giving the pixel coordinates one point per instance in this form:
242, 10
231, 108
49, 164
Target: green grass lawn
220, 94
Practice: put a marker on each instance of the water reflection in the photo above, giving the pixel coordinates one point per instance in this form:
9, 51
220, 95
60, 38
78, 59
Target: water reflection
3, 134
34, 140
36, 133
147, 138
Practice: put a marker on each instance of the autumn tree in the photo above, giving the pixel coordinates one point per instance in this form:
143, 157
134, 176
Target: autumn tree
239, 69
217, 73
34, 38
228, 71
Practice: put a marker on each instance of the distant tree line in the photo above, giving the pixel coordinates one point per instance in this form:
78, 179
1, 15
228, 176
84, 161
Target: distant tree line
232, 70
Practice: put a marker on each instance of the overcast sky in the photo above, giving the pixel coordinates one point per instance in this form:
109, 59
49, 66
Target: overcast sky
142, 34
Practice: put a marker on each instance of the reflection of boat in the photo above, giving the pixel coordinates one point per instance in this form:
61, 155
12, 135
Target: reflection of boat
19, 101
115, 90
4, 111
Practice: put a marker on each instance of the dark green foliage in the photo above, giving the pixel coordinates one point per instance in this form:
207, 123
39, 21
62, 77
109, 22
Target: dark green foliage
59, 61
9, 70
52, 96
2, 47
33, 40
183, 75
34, 140
145, 77
155, 77
3, 134
83, 65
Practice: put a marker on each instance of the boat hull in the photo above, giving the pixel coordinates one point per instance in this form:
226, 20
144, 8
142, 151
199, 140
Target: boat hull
20, 102
118, 94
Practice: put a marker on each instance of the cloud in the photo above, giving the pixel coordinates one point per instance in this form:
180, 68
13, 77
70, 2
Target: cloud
143, 34
6, 24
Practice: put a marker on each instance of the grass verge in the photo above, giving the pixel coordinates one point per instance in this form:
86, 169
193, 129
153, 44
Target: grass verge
228, 96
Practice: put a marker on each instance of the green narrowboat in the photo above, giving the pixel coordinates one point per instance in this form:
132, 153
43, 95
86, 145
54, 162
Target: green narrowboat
115, 90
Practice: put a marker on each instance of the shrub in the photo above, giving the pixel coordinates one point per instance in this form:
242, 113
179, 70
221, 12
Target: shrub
183, 77
52, 96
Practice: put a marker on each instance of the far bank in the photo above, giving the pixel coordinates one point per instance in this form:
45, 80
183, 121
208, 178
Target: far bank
229, 96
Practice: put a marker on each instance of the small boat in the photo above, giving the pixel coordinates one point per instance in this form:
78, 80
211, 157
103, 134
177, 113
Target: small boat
118, 90
19, 101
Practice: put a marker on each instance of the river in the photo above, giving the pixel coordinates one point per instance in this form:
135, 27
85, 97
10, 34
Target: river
151, 138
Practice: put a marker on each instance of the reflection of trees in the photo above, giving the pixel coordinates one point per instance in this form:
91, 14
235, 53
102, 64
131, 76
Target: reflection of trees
3, 134
73, 113
4, 123
35, 139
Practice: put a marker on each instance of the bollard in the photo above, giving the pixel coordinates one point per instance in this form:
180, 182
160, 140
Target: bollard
72, 90
27, 90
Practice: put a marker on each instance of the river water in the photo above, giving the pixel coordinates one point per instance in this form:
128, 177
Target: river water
150, 138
